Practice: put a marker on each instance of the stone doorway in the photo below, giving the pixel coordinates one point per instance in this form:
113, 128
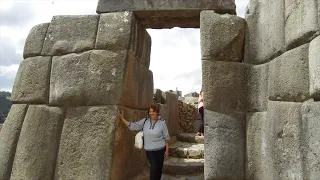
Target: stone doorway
78, 70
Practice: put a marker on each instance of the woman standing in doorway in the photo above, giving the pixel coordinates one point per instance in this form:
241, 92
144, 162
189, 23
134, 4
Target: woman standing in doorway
201, 111
156, 139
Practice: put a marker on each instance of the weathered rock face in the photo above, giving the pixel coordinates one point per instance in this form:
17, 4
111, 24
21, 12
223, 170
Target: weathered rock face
167, 14
9, 137
38, 143
34, 42
222, 37
187, 117
314, 68
289, 77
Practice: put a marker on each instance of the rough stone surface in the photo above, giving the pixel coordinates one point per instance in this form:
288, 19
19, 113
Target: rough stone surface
257, 99
311, 139
115, 30
255, 146
301, 21
263, 43
9, 137
69, 34
38, 144
190, 137
314, 68
31, 84
284, 129
172, 120
182, 166
222, 37
167, 14
100, 77
224, 86
186, 150
224, 145
188, 115
34, 41
93, 148
289, 76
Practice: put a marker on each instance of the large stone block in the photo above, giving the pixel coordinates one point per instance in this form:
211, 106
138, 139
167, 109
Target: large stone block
31, 84
289, 76
96, 145
9, 137
222, 37
284, 140
314, 68
100, 77
224, 86
172, 116
38, 144
34, 41
265, 36
167, 14
256, 157
224, 145
122, 31
301, 21
70, 34
257, 99
311, 137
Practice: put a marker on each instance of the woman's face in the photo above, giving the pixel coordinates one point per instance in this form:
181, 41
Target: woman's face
153, 114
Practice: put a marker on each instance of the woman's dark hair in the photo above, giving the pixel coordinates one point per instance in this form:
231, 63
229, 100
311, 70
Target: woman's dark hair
154, 107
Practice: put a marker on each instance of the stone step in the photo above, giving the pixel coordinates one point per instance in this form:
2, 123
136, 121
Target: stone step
186, 150
181, 166
183, 177
190, 137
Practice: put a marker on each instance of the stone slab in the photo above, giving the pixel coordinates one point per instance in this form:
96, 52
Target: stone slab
301, 22
96, 145
289, 76
255, 147
122, 31
224, 86
224, 145
181, 166
314, 68
173, 113
70, 34
9, 137
283, 136
167, 14
35, 40
38, 144
222, 37
263, 43
311, 139
257, 99
100, 77
31, 84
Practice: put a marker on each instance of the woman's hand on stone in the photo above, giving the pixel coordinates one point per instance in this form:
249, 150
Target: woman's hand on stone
166, 154
120, 113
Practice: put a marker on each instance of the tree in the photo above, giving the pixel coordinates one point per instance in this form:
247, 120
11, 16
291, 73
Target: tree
5, 105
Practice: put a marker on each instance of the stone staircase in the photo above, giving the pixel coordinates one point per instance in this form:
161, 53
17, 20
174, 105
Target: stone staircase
186, 161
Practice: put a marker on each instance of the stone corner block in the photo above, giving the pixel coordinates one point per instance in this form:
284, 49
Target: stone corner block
34, 42
123, 31
100, 77
310, 121
31, 84
224, 86
314, 68
289, 76
222, 36
70, 34
38, 143
257, 99
262, 42
224, 145
301, 22
9, 137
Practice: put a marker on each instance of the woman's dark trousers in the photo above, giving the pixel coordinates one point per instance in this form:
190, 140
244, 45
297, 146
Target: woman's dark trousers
201, 111
156, 159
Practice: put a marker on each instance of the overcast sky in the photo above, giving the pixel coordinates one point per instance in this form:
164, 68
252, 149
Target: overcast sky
175, 54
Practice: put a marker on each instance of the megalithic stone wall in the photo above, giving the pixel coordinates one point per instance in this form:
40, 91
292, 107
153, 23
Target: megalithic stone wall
225, 90
283, 120
77, 72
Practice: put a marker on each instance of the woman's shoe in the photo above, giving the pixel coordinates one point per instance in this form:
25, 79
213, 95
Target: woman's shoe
198, 134
201, 134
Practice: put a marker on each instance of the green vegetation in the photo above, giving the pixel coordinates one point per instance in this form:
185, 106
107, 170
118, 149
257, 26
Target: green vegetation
5, 105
